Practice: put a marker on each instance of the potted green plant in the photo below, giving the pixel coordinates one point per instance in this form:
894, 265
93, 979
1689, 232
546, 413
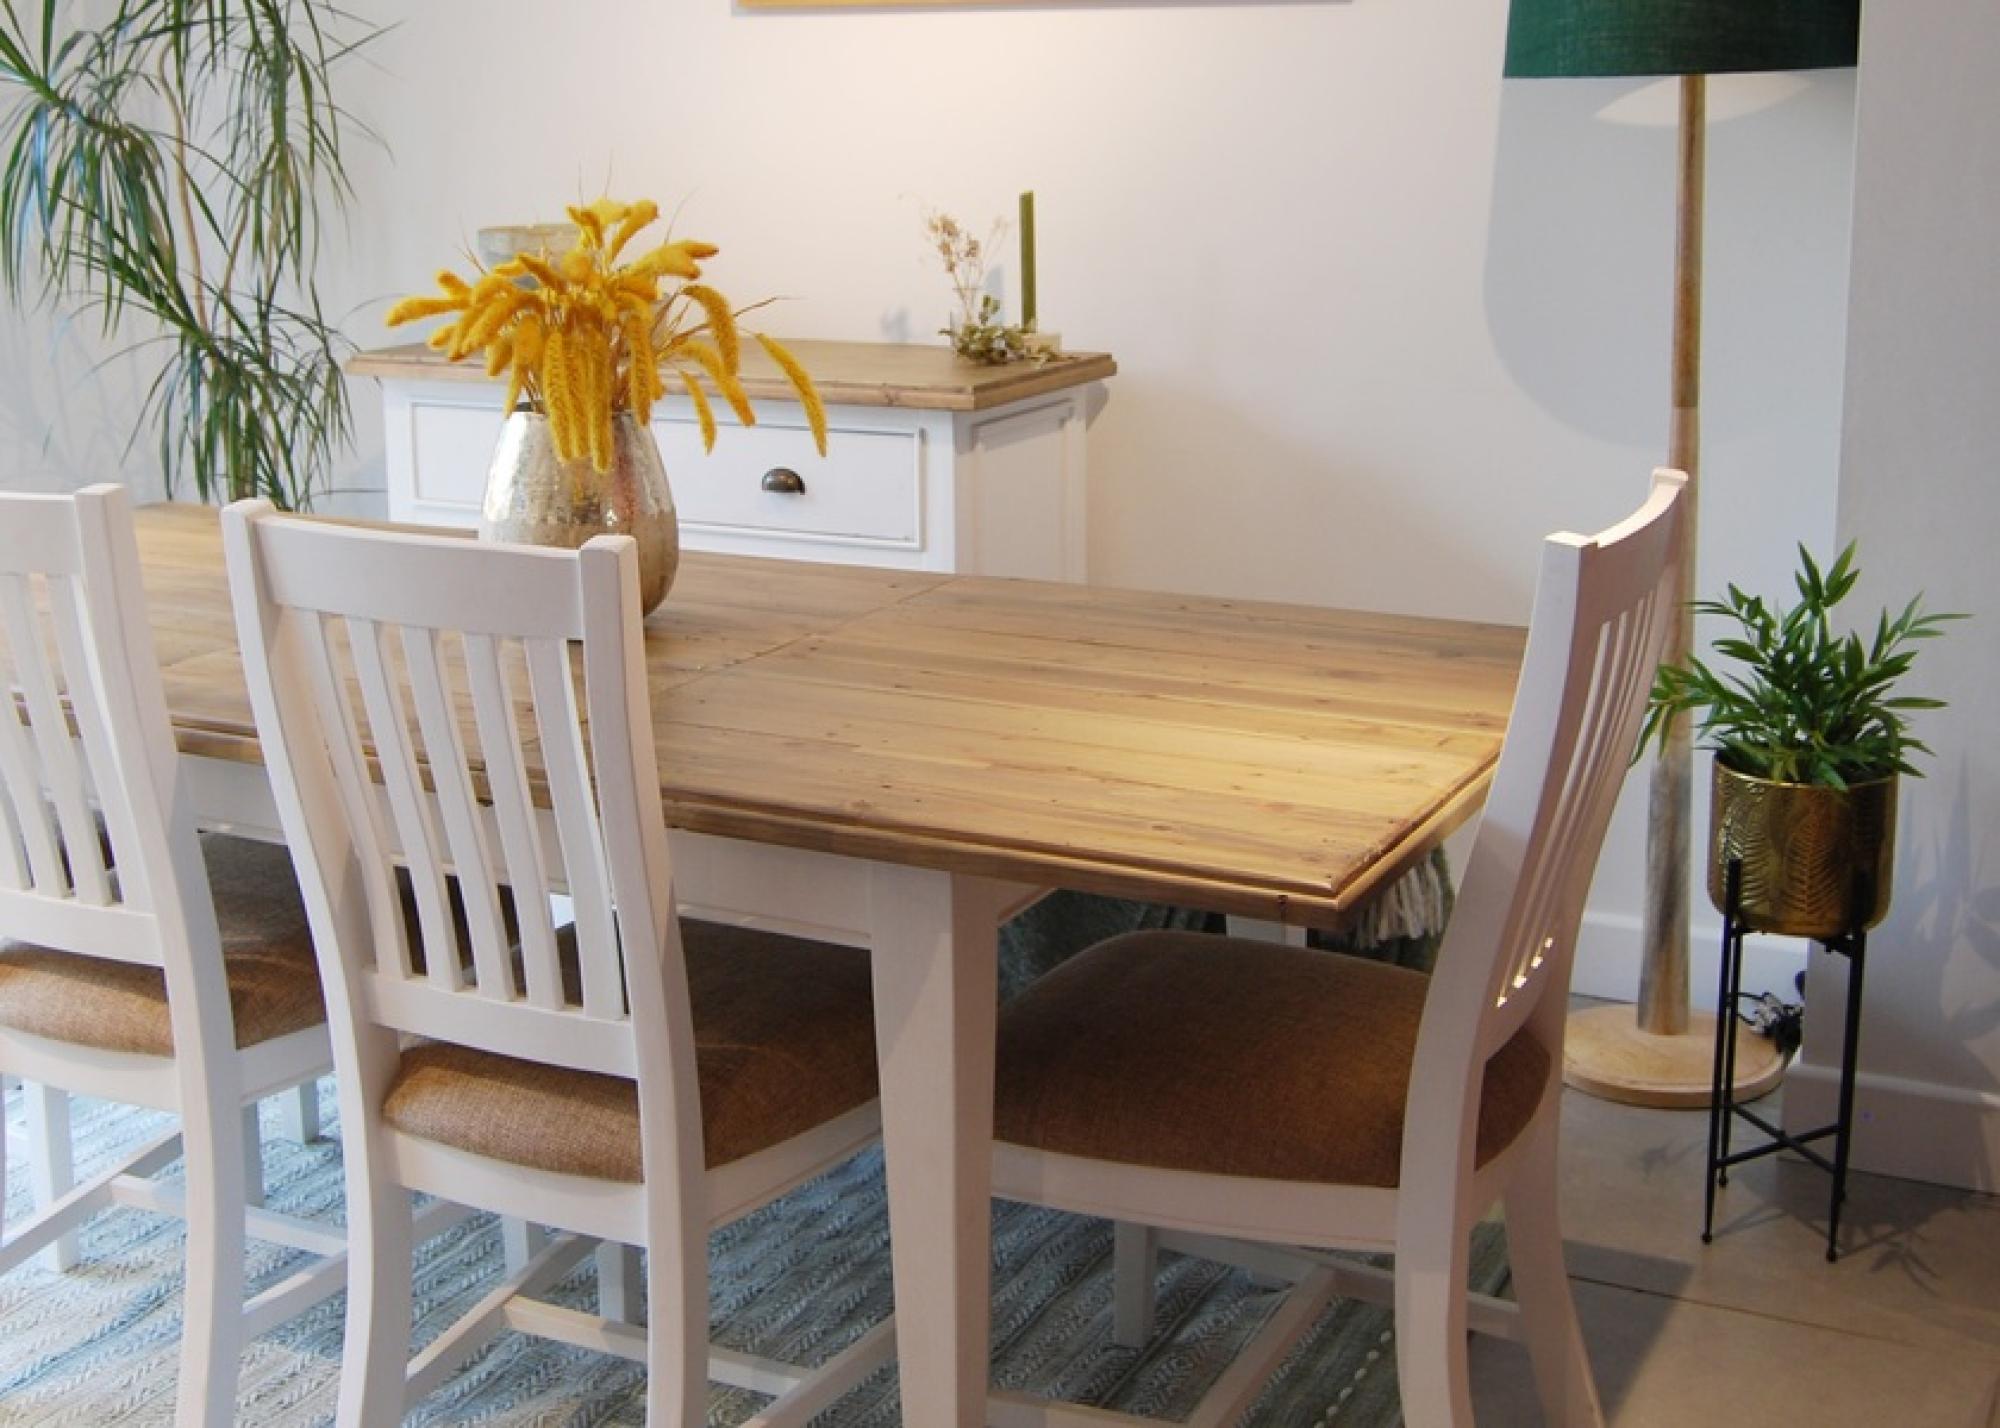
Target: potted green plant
1810, 737
168, 164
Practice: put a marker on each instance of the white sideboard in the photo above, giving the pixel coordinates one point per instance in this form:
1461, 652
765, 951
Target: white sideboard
931, 464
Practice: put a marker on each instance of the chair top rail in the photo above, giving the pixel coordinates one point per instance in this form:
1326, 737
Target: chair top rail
39, 536
405, 578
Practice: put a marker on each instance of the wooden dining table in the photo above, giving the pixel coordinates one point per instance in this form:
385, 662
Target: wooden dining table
902, 760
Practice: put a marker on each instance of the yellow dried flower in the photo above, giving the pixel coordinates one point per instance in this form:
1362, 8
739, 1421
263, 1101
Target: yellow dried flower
412, 308
641, 287
598, 395
638, 216
703, 412
590, 221
580, 337
557, 397
641, 377
802, 384
484, 322
726, 381
674, 260
721, 322
529, 335
540, 270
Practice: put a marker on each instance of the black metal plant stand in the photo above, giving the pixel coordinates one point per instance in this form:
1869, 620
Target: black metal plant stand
1722, 1107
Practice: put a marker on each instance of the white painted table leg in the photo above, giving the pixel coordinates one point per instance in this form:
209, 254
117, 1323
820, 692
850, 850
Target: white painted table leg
298, 1113
935, 940
1264, 930
50, 1165
253, 1156
1135, 1266
618, 1281
520, 1242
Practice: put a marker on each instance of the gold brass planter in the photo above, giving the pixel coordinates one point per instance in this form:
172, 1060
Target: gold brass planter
534, 498
1816, 861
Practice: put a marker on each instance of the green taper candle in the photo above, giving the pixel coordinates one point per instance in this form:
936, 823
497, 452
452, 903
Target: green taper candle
1028, 260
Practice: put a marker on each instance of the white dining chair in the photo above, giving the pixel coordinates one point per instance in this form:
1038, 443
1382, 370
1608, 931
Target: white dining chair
122, 975
1237, 1098
628, 1081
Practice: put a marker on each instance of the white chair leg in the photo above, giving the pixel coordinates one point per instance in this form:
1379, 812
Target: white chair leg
1135, 1262
211, 1332
1541, 1284
377, 1344
1432, 1370
618, 1283
5, 1082
677, 1334
520, 1242
253, 1156
298, 1113
51, 1167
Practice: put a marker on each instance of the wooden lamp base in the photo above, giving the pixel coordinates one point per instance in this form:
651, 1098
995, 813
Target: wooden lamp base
1607, 1055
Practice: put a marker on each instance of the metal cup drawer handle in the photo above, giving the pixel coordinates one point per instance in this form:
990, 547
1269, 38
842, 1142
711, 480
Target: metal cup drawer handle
783, 481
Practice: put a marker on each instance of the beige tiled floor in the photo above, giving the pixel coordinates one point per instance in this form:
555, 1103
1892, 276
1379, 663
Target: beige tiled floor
1758, 1328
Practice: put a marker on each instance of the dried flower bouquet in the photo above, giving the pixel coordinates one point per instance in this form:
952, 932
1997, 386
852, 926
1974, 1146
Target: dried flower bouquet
581, 338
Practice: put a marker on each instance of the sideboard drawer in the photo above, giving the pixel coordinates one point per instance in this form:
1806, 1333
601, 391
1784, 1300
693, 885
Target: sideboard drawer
451, 445
865, 491
924, 469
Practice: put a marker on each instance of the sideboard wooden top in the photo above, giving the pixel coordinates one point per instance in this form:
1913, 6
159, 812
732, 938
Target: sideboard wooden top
861, 374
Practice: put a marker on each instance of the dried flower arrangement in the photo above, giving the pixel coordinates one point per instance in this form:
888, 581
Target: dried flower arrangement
581, 338
976, 333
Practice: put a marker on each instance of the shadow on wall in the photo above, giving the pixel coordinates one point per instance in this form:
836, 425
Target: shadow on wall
1584, 164
1355, 525
1941, 945
53, 436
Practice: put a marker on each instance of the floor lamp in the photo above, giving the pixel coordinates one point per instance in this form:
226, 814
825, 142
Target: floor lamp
1662, 1056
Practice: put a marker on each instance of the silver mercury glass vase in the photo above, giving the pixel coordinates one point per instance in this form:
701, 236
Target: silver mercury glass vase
535, 498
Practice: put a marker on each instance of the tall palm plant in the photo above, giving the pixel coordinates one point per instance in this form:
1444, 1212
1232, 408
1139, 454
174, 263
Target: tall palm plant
170, 163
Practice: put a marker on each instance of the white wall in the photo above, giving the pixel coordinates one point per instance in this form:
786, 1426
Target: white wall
1918, 487
1382, 320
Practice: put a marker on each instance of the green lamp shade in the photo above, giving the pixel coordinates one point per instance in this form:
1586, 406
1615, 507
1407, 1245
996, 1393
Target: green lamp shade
1576, 38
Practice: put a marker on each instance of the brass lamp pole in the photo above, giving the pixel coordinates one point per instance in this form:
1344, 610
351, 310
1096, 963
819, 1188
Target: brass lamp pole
1662, 1055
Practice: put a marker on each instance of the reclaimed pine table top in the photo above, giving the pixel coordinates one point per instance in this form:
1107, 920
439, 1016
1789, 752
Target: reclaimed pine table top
1276, 761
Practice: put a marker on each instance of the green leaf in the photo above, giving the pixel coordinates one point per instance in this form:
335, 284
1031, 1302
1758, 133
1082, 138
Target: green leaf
166, 166
1797, 701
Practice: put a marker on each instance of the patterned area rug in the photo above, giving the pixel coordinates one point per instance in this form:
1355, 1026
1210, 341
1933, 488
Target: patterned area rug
798, 1280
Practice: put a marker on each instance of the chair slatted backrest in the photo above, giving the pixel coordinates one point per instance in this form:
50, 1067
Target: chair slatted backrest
84, 734
1603, 605
416, 706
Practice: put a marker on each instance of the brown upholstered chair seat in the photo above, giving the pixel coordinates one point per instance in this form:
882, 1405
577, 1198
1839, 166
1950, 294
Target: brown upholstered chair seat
1187, 1051
784, 1040
121, 1006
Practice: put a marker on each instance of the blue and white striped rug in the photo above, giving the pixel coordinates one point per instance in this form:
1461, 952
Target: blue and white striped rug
798, 1280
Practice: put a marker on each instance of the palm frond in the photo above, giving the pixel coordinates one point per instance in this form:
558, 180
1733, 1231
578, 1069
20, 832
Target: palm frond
203, 228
